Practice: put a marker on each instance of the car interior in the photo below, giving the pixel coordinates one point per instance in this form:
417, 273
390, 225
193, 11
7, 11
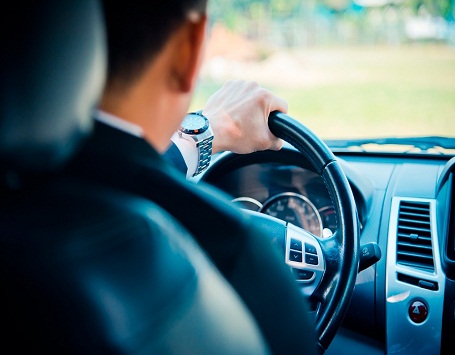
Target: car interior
308, 249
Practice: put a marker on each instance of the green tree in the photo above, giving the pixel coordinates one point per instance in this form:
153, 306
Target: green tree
442, 8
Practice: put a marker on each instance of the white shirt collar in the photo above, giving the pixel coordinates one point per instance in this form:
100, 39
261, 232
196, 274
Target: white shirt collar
119, 123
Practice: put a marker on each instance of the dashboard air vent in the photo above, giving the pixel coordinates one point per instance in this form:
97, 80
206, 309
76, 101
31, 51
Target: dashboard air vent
414, 246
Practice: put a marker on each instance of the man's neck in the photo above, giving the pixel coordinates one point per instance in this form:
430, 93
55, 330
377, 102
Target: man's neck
151, 109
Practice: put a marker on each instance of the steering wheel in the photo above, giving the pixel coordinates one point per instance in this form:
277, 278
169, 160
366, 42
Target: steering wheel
325, 269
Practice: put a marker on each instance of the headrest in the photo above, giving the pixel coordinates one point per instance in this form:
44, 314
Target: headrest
52, 70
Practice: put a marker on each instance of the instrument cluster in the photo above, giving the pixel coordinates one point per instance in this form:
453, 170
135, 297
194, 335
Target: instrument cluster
290, 193
296, 209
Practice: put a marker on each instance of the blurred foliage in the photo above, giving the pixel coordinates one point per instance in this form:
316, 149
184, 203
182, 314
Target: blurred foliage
302, 23
233, 12
443, 8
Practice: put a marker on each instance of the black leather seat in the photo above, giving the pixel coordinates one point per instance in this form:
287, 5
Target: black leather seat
88, 267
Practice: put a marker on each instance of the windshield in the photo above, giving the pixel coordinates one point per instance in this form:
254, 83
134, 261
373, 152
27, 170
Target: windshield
348, 69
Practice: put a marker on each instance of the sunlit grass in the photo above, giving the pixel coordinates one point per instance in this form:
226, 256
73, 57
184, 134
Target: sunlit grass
362, 92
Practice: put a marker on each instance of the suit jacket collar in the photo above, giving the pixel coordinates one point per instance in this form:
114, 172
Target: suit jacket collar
111, 156
107, 140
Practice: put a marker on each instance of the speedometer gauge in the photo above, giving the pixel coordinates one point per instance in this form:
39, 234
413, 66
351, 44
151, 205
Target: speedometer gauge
296, 209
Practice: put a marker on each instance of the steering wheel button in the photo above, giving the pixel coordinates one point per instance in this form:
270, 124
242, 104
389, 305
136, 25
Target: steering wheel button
418, 311
310, 249
295, 256
311, 259
296, 244
303, 275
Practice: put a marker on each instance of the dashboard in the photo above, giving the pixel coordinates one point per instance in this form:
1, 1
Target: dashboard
405, 303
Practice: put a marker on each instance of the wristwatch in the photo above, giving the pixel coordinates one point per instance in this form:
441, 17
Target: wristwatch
196, 129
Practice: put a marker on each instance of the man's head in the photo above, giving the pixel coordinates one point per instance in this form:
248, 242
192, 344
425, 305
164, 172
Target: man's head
154, 54
138, 30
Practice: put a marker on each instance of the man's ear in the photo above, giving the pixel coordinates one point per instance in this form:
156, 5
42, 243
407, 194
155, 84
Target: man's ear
190, 41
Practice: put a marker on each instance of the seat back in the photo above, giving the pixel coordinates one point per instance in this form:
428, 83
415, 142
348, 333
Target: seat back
52, 72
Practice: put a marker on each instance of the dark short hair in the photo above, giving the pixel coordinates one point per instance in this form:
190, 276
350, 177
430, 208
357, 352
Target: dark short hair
137, 30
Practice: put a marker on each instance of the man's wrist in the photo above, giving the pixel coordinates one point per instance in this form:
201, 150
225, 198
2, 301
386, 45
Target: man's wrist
194, 140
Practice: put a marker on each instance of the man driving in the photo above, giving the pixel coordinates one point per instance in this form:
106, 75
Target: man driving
155, 49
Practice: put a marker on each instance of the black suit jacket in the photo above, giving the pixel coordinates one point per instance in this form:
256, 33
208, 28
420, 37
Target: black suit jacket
248, 261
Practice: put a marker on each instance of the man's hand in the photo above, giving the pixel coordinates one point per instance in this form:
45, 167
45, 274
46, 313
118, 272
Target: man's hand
238, 114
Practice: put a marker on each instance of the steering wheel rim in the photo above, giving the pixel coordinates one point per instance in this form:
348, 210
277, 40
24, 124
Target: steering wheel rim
341, 250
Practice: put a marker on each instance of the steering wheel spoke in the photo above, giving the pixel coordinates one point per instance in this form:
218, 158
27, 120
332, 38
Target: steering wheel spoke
305, 257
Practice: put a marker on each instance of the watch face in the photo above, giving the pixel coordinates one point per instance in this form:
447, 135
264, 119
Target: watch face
194, 123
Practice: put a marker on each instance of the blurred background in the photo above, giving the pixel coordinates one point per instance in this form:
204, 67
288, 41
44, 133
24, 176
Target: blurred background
348, 69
